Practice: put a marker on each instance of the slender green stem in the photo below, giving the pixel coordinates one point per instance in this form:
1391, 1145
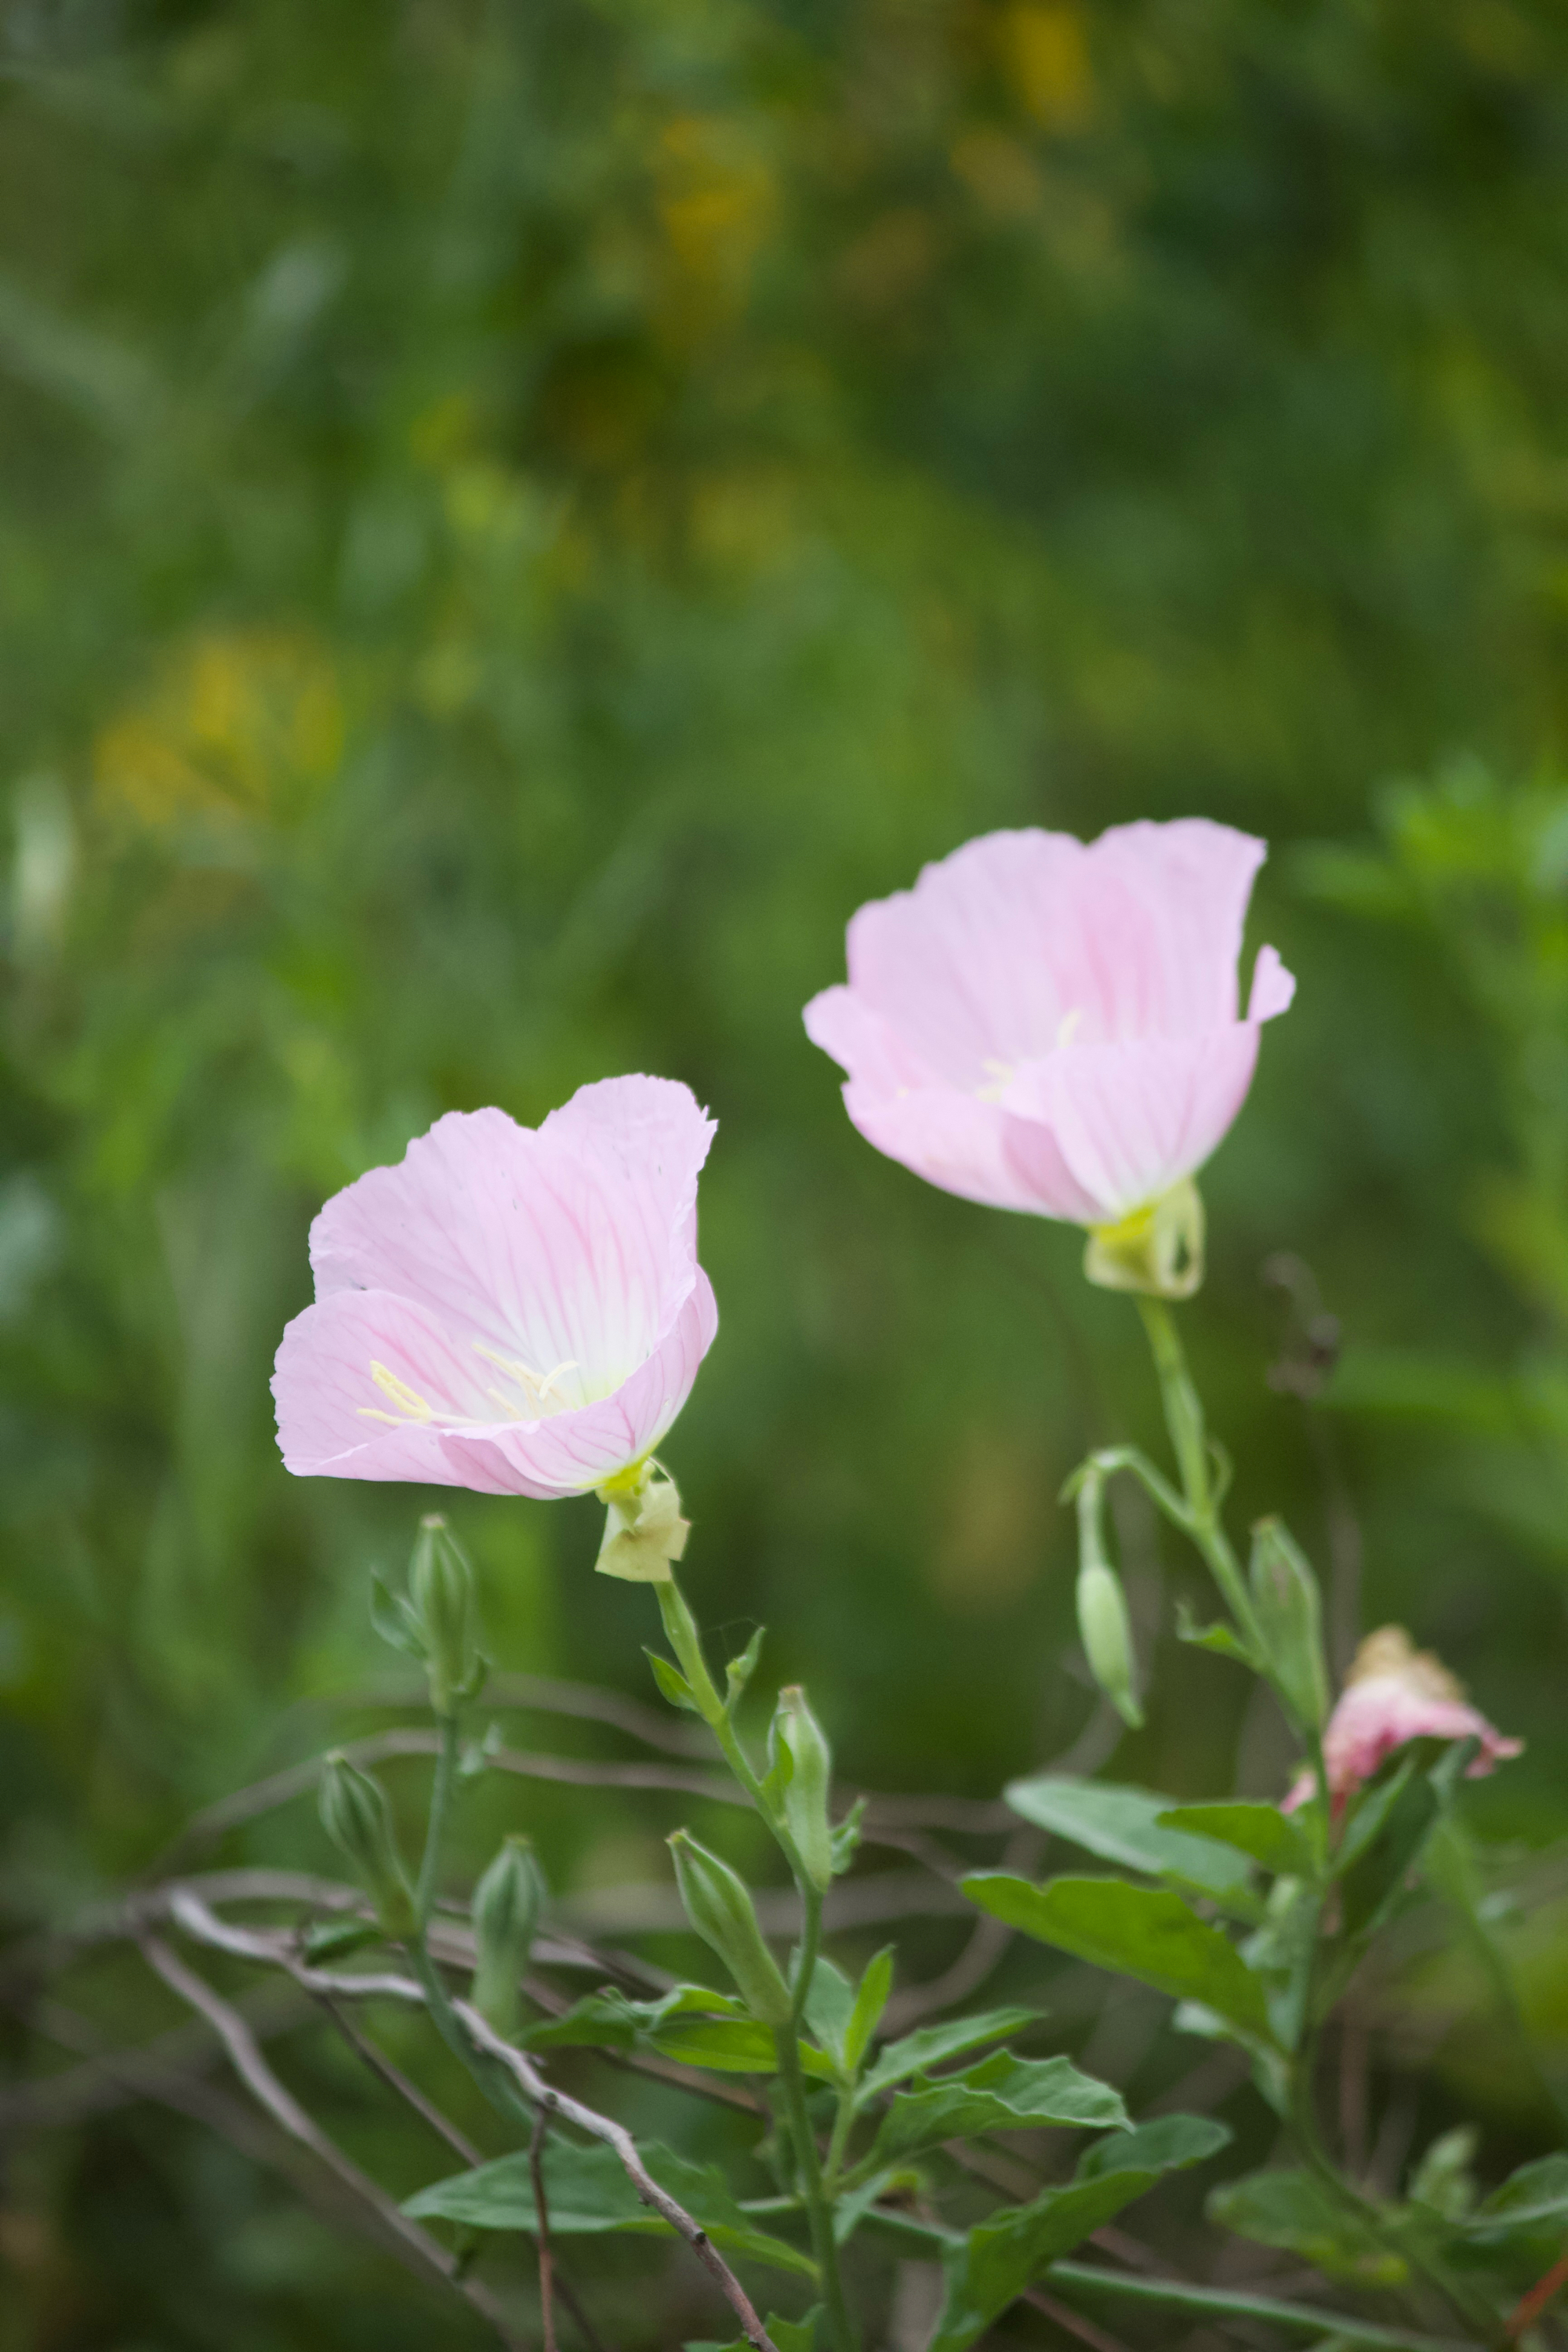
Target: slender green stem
492, 2079
1189, 1438
440, 1806
680, 1628
841, 2329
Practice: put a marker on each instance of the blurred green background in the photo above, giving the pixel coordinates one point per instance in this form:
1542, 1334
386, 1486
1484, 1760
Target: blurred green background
519, 517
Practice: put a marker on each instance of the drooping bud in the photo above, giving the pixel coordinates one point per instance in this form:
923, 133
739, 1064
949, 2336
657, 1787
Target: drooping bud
1102, 1620
1285, 1603
505, 1914
644, 1532
803, 1800
720, 1908
357, 1818
444, 1611
1159, 1249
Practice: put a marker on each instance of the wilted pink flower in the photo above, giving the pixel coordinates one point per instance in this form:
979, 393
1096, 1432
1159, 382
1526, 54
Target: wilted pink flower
1395, 1693
516, 1310
1047, 1025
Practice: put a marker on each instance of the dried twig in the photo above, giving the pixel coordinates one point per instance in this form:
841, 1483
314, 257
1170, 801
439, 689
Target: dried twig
415, 2245
542, 2217
542, 2093
197, 1921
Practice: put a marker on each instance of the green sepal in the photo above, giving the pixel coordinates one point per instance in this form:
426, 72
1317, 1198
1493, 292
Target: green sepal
673, 1684
738, 1671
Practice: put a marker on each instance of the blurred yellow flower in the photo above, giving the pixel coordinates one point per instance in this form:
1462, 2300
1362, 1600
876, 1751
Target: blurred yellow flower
1044, 57
241, 722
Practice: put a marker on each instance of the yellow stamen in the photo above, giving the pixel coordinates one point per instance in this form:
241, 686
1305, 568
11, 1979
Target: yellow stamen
410, 1405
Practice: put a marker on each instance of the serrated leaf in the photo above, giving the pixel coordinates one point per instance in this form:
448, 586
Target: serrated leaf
933, 2045
672, 1683
1269, 1836
1121, 1824
870, 2000
1002, 2093
1292, 2209
1137, 1931
1004, 2254
587, 2193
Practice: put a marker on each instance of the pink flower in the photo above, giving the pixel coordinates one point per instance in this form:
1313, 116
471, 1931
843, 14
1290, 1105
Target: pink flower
1393, 1694
1047, 1025
516, 1310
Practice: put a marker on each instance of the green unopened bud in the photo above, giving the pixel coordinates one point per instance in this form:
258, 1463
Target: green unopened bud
1159, 1249
644, 1531
1290, 1613
357, 1818
444, 1611
803, 1802
1102, 1620
505, 1915
720, 1908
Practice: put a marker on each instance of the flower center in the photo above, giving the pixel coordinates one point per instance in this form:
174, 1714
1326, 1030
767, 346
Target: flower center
999, 1076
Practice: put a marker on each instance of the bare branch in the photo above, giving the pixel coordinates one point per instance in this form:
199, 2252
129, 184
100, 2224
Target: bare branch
543, 2094
417, 2248
541, 2215
392, 2075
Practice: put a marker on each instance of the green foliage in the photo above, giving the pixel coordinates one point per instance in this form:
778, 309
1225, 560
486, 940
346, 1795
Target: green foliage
1002, 2093
1124, 1824
587, 2192
1293, 2209
1139, 1931
1000, 2256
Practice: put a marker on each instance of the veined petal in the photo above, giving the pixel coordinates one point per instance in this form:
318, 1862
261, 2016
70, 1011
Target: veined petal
575, 1451
1130, 1120
875, 1053
550, 1248
950, 1138
334, 1416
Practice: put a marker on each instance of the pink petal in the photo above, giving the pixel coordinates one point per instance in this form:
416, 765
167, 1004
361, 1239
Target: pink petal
953, 1141
575, 1451
1130, 1120
569, 1254
548, 1247
876, 1054
326, 1391
1273, 988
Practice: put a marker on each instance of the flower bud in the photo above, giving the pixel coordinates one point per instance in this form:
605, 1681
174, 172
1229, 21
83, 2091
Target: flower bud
357, 1818
1289, 1621
1102, 1619
444, 1613
795, 1731
720, 1909
1159, 1249
505, 1914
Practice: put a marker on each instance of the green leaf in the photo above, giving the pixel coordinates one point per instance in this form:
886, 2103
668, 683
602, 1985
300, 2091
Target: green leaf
598, 2021
789, 2335
1007, 2252
850, 2210
1269, 1836
844, 1842
587, 2193
1135, 1931
672, 1682
1218, 1639
1293, 2209
1002, 2093
829, 2006
334, 1939
1533, 2198
932, 2045
739, 1671
732, 2046
1121, 1824
1376, 1880
870, 2000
